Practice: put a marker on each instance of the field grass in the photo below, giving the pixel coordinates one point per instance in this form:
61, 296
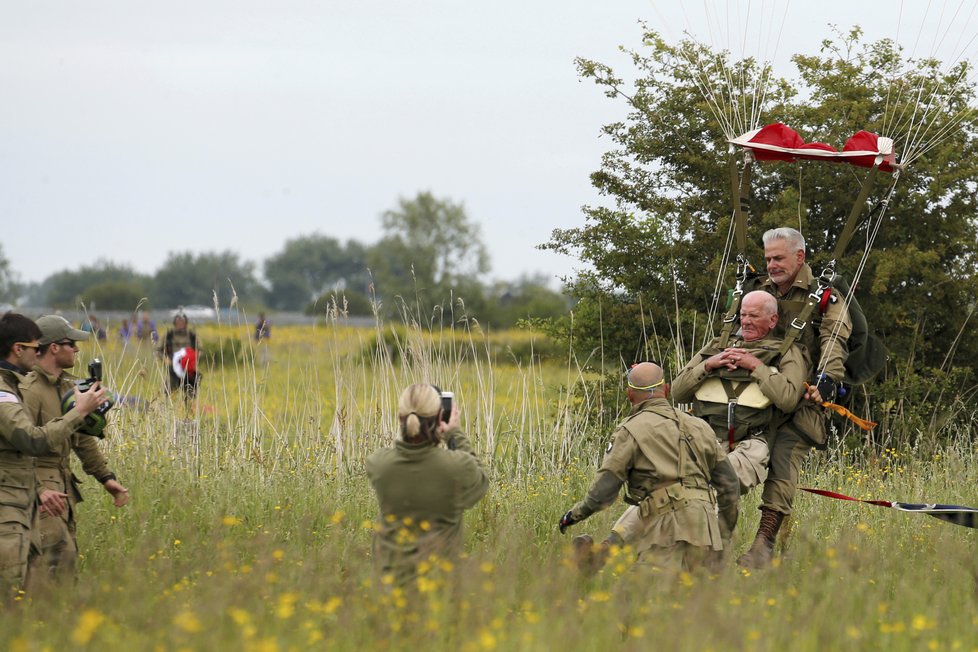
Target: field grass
251, 520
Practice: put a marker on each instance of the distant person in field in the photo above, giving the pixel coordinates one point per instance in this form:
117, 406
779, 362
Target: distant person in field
21, 440
125, 330
181, 353
92, 326
263, 333
263, 328
146, 328
424, 483
669, 463
42, 392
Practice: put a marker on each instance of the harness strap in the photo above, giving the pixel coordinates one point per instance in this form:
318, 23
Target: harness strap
857, 207
733, 394
743, 269
737, 185
820, 291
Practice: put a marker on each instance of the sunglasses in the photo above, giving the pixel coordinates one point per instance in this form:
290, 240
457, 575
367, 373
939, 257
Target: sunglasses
28, 345
70, 343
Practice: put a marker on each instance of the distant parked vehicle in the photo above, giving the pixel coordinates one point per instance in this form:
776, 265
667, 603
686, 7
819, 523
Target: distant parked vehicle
195, 312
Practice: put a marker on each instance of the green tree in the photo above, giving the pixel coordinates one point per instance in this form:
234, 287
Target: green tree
311, 266
656, 254
192, 279
529, 297
114, 295
71, 287
430, 252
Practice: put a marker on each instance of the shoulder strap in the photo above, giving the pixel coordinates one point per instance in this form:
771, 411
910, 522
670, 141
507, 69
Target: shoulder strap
817, 291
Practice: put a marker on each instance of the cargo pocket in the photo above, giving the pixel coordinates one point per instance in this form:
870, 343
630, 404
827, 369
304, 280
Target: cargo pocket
13, 554
15, 496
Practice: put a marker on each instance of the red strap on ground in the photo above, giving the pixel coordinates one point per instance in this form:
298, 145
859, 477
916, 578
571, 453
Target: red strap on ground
832, 494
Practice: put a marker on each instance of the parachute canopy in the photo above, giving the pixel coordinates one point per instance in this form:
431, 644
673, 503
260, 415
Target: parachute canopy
779, 142
185, 362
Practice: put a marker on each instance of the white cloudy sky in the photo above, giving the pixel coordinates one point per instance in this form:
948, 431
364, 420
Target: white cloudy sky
132, 129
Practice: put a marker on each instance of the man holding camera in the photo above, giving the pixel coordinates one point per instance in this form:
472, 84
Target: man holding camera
20, 441
43, 390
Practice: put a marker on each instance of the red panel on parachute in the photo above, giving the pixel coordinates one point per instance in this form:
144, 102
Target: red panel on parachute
778, 142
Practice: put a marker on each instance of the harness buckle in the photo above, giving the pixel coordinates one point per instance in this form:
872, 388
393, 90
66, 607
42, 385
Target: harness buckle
798, 324
827, 276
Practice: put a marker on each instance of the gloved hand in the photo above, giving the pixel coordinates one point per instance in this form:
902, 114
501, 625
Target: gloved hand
566, 521
827, 388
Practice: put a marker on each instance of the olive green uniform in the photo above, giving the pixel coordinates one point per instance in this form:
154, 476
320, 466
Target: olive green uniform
42, 394
20, 441
667, 460
784, 385
423, 490
828, 352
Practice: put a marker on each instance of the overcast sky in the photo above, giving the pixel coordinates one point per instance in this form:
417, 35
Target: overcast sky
132, 129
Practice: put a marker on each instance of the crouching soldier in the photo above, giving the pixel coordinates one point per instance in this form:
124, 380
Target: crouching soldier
675, 473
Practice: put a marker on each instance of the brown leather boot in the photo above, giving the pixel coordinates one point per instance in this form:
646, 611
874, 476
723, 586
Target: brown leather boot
762, 550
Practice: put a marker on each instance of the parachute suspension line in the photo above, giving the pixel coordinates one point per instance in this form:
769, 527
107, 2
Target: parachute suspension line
884, 127
700, 76
924, 128
718, 284
923, 141
761, 84
735, 99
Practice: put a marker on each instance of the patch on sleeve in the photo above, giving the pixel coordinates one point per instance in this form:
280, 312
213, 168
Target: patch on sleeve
8, 397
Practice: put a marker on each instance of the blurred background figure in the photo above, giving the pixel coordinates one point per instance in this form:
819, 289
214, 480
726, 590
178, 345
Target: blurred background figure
146, 328
180, 351
125, 330
263, 333
92, 326
263, 328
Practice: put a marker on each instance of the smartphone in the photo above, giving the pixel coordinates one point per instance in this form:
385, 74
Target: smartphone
446, 405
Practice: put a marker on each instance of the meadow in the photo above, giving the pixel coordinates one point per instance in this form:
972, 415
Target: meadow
251, 519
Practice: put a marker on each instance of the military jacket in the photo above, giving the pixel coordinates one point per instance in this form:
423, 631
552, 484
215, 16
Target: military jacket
423, 490
42, 394
660, 448
827, 352
781, 380
19, 433
20, 440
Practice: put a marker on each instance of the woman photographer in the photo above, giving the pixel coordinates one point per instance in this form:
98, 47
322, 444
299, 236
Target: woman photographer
422, 486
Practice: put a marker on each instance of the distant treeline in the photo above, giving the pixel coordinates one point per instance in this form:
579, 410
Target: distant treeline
430, 262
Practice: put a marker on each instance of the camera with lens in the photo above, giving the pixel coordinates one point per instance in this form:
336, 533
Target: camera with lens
95, 376
94, 423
